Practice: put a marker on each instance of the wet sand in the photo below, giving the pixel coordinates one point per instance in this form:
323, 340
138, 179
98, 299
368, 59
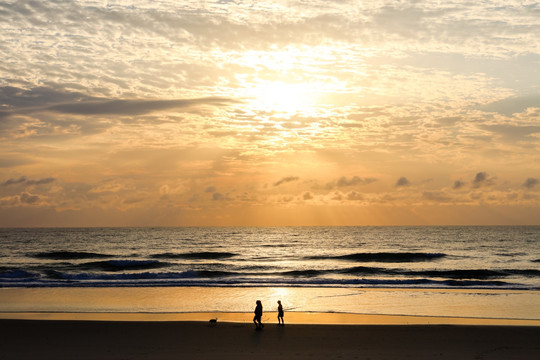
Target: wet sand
97, 339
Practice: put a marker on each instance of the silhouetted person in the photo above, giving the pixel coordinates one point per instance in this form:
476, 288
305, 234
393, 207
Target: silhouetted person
280, 313
258, 315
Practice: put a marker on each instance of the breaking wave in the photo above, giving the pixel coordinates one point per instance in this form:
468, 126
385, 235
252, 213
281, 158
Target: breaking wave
69, 255
383, 257
119, 265
195, 255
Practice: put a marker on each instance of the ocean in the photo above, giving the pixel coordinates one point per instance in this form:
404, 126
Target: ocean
458, 257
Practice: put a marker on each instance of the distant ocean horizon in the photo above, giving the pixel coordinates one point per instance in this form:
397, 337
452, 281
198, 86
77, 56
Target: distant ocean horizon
462, 257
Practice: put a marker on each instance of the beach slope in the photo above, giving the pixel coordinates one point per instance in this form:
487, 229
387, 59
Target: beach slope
53, 339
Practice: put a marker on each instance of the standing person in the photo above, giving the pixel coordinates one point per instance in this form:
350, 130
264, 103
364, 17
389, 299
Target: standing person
280, 314
258, 315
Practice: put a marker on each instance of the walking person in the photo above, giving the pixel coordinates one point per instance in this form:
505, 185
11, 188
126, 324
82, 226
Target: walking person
280, 314
258, 315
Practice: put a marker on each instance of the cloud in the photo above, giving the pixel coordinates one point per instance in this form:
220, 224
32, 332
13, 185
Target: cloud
27, 198
20, 180
41, 181
218, 133
479, 178
286, 180
18, 101
130, 201
402, 181
147, 94
352, 181
448, 121
436, 196
512, 105
13, 161
232, 25
307, 196
37, 97
354, 196
351, 125
513, 132
458, 184
26, 181
482, 179
134, 107
355, 180
531, 183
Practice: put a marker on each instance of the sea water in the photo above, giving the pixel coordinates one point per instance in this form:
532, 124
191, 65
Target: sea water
427, 257
331, 268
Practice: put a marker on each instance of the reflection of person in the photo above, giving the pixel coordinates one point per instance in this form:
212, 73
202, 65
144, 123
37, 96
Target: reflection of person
280, 313
258, 315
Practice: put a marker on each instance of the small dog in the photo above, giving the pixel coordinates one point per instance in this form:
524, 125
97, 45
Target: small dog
213, 321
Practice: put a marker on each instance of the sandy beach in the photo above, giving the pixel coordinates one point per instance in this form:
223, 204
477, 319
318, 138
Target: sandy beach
78, 339
64, 323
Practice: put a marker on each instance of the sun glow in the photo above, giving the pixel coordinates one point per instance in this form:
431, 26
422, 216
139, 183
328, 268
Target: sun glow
285, 98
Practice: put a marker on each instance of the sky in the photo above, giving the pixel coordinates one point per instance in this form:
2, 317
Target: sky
269, 113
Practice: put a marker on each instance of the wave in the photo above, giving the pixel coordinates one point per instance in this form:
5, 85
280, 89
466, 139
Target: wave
17, 274
364, 270
158, 276
119, 265
477, 273
211, 274
195, 255
109, 266
67, 255
525, 272
383, 257
255, 267
304, 273
449, 274
464, 274
193, 278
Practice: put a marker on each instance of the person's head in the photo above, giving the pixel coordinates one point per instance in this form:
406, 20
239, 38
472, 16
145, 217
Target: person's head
279, 302
259, 302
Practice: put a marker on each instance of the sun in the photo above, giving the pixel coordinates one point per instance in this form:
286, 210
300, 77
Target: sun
285, 98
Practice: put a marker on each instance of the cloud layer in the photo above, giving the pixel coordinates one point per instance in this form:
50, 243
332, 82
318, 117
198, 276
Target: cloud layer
269, 112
